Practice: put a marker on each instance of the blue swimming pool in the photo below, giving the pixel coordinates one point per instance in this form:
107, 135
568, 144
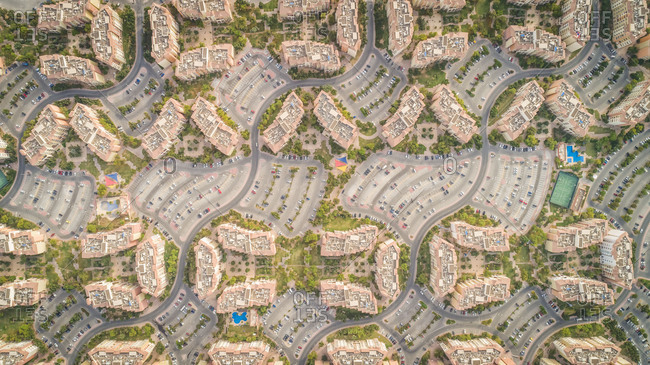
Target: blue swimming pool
239, 318
573, 156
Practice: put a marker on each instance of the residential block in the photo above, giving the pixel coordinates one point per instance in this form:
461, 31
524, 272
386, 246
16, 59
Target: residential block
336, 125
111, 242
23, 293
401, 123
534, 42
208, 268
245, 353
370, 351
352, 296
452, 116
571, 113
46, 135
106, 36
285, 124
235, 238
205, 60
85, 122
444, 266
71, 69
494, 239
576, 236
616, 258
21, 242
441, 48
215, 11
121, 352
634, 108
311, 55
386, 266
348, 35
116, 294
577, 289
66, 14
340, 243
150, 265
483, 291
164, 35
245, 295
519, 116
400, 25
164, 132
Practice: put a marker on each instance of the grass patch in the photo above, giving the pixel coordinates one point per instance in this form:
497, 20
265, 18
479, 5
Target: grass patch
381, 25
600, 130
591, 149
341, 224
523, 255
429, 76
367, 129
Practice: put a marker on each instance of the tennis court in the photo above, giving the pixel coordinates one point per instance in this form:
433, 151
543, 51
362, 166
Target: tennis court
564, 189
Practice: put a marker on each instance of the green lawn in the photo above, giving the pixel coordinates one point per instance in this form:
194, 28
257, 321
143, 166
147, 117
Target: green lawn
600, 130
429, 77
11, 319
89, 165
483, 7
341, 224
523, 255
591, 149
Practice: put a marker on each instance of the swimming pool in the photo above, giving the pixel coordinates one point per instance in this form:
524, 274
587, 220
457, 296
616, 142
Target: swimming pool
239, 318
573, 156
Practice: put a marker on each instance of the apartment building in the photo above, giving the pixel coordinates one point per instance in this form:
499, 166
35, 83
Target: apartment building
587, 351
630, 19
297, 10
576, 236
285, 124
23, 293
207, 118
164, 35
3, 150
571, 113
85, 122
400, 25
150, 265
348, 36
215, 11
17, 353
572, 289
386, 265
452, 116
121, 352
111, 242
116, 294
478, 351
444, 266
336, 125
546, 361
534, 42
71, 69
634, 108
528, 2
66, 14
616, 258
245, 353
440, 5
441, 48
483, 291
493, 239
19, 242
235, 238
311, 55
46, 136
347, 295
340, 243
401, 123
106, 36
575, 27
205, 60
367, 352
245, 295
208, 268
164, 133
524, 108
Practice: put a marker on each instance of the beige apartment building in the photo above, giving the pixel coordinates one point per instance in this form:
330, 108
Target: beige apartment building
285, 124
630, 18
341, 243
534, 42
453, 118
19, 242
444, 266
121, 352
441, 48
634, 108
165, 130
298, 10
493, 239
616, 258
336, 125
366, 352
205, 60
164, 36
207, 118
215, 11
575, 27
116, 294
111, 242
400, 124
23, 293
85, 122
519, 116
311, 55
348, 35
386, 265
230, 353
347, 295
235, 238
150, 265
208, 268
46, 135
71, 69
66, 14
246, 295
587, 351
478, 351
400, 25
17, 353
571, 113
106, 36
576, 236
577, 289
473, 292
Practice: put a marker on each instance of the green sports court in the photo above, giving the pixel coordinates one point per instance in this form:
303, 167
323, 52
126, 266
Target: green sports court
564, 188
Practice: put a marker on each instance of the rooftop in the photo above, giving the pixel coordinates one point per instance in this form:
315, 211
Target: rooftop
578, 235
340, 243
535, 42
473, 292
400, 25
347, 27
66, 14
85, 122
297, 9
285, 124
205, 60
111, 242
217, 11
387, 263
480, 238
246, 295
563, 101
235, 238
121, 352
444, 266
23, 293
106, 35
208, 267
344, 352
312, 55
402, 122
591, 350
240, 353
46, 136
206, 117
70, 69
524, 108
340, 128
452, 115
165, 130
164, 35
150, 265
19, 242
115, 294
478, 351
442, 48
571, 289
616, 258
352, 296
17, 353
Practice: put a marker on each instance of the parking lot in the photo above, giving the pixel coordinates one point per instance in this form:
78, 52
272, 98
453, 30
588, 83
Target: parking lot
242, 90
407, 190
286, 193
413, 322
63, 319
23, 88
181, 198
61, 204
515, 186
